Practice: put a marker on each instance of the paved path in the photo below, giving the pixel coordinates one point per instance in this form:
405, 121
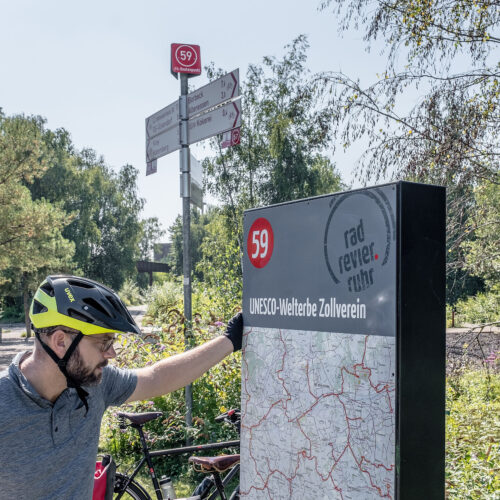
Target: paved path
11, 341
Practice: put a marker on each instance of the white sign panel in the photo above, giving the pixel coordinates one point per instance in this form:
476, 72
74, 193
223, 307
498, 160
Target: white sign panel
162, 120
196, 172
223, 89
162, 144
214, 122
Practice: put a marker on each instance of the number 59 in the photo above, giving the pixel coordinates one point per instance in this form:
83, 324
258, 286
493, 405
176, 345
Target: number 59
260, 239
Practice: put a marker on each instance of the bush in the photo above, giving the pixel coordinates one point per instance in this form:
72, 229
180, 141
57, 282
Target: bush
482, 308
161, 300
213, 393
13, 313
472, 431
130, 293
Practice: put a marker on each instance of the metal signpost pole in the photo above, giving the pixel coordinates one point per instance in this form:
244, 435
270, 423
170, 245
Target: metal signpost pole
186, 219
212, 109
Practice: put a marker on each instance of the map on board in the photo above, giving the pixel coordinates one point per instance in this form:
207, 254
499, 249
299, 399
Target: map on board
318, 415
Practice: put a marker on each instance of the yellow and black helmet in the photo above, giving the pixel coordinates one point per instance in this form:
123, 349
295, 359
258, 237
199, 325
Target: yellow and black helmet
82, 304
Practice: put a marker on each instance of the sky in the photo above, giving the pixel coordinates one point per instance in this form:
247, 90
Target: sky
99, 68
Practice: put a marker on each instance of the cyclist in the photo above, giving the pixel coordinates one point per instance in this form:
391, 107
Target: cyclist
52, 399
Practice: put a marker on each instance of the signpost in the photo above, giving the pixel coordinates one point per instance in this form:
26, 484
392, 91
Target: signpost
221, 90
198, 115
162, 127
225, 117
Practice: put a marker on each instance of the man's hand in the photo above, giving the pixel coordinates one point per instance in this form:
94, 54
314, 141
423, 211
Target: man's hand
234, 331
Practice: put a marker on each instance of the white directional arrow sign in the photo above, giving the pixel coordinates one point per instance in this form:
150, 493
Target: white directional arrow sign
162, 144
162, 120
214, 122
223, 89
162, 128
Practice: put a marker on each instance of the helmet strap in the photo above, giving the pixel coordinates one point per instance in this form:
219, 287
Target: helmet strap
62, 363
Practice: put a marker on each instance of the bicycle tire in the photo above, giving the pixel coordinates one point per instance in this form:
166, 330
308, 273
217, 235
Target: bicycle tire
133, 491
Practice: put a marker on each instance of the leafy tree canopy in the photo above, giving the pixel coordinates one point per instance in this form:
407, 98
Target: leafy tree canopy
448, 53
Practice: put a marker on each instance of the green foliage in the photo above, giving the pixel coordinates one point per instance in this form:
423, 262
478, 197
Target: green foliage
104, 205
449, 137
30, 231
472, 431
162, 299
221, 292
130, 293
284, 132
198, 225
12, 313
483, 252
215, 392
482, 308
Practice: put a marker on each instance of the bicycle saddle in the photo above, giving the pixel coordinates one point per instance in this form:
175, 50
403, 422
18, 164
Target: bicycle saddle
214, 464
140, 418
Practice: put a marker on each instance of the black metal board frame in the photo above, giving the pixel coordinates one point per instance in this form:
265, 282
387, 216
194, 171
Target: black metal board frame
421, 342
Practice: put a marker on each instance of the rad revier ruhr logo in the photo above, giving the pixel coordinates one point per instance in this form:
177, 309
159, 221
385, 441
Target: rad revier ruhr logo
359, 238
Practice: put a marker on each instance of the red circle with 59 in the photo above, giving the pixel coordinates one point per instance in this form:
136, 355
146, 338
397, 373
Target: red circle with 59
260, 242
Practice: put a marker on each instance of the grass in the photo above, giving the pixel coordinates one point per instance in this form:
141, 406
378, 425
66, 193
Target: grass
472, 435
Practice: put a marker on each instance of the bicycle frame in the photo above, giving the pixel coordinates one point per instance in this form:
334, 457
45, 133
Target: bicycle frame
149, 455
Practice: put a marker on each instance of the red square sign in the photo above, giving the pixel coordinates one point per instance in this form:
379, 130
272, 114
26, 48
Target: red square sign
185, 58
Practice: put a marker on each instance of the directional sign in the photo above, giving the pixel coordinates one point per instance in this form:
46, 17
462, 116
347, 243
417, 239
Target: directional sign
223, 89
185, 58
151, 167
214, 122
162, 144
162, 120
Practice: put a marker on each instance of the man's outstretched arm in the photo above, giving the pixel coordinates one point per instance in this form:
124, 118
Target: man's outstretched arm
180, 370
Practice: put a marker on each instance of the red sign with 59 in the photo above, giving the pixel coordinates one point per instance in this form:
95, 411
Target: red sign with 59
185, 58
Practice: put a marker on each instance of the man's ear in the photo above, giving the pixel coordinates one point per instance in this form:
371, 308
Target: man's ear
58, 342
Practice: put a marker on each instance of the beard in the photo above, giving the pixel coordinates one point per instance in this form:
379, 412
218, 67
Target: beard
81, 373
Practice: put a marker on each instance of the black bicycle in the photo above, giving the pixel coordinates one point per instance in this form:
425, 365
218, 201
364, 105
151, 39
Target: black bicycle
219, 470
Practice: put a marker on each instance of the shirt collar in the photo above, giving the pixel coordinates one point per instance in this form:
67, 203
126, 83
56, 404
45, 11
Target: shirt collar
23, 383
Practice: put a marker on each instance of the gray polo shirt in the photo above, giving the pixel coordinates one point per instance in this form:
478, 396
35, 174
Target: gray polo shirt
48, 450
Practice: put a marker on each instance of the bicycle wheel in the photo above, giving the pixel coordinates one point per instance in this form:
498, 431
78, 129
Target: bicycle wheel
134, 490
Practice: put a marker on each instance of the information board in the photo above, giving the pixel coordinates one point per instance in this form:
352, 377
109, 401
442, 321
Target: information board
321, 390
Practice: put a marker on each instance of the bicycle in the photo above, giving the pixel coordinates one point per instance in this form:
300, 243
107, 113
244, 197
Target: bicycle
222, 469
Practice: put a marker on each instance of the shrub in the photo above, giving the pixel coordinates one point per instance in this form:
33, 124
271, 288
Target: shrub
162, 299
472, 431
131, 294
12, 315
482, 308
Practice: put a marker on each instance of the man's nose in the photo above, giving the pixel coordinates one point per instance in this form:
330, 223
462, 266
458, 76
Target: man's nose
110, 353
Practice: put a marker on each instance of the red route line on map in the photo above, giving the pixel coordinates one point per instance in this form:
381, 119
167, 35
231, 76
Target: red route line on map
303, 453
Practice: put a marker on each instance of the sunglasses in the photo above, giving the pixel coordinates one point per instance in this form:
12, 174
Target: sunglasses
104, 345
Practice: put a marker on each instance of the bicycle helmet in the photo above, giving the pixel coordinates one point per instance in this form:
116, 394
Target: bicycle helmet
81, 304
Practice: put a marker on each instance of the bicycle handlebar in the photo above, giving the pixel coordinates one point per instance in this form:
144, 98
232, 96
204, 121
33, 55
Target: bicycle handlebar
232, 416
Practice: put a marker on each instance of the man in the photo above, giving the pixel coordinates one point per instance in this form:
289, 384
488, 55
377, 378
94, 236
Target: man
52, 399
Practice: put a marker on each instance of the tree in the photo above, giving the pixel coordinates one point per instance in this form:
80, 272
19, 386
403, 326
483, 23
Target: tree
449, 137
483, 251
106, 228
198, 230
31, 238
284, 132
